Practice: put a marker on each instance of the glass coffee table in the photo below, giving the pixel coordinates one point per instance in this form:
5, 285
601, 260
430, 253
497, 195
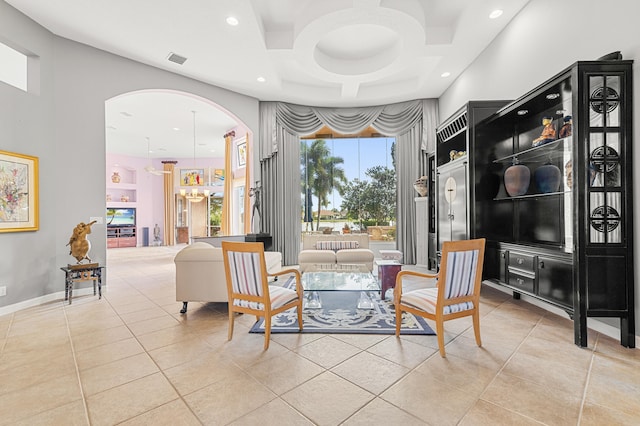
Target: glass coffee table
332, 277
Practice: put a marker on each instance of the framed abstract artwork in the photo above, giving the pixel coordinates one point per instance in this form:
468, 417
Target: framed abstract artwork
191, 177
242, 154
18, 192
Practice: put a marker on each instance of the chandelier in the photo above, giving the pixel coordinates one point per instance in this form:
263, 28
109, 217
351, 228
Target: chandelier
193, 196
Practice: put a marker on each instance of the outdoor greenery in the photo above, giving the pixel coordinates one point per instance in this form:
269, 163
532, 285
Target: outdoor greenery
371, 201
215, 212
321, 173
367, 202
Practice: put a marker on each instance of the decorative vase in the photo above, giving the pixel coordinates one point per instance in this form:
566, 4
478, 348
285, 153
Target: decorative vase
115, 178
422, 186
547, 178
516, 179
124, 198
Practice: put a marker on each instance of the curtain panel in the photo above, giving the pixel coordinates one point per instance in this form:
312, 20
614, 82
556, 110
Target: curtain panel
412, 123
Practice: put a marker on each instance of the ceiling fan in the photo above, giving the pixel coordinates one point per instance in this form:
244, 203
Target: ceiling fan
149, 167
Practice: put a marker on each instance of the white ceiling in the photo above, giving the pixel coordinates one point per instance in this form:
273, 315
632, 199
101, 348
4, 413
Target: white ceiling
311, 52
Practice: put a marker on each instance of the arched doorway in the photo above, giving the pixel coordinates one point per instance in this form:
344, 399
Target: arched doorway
152, 134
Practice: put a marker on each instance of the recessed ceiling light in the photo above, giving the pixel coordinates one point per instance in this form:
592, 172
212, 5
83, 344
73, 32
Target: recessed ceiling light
495, 14
232, 20
445, 74
176, 128
523, 112
553, 95
261, 79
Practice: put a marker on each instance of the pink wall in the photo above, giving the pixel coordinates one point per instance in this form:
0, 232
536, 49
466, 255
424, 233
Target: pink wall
148, 188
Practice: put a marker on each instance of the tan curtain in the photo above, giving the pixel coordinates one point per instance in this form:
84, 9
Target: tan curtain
247, 185
169, 204
225, 226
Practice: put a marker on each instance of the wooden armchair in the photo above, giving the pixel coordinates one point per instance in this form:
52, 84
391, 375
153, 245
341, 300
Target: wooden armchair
457, 292
248, 286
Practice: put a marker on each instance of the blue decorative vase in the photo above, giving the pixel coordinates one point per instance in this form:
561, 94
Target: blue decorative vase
547, 178
516, 179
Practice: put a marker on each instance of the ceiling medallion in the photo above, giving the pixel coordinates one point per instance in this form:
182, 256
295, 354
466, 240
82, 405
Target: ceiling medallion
349, 43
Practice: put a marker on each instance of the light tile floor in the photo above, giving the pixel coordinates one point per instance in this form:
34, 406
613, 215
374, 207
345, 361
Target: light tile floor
132, 359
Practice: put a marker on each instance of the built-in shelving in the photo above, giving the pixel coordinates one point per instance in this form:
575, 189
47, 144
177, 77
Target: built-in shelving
572, 248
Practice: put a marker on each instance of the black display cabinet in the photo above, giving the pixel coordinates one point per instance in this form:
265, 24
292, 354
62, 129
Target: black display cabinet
454, 166
554, 194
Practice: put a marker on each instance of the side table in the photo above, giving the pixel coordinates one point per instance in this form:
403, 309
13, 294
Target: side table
387, 271
76, 273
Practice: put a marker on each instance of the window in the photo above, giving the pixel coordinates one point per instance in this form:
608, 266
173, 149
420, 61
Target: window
14, 67
349, 185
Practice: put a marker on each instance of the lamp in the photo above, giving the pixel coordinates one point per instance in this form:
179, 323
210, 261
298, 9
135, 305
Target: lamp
194, 196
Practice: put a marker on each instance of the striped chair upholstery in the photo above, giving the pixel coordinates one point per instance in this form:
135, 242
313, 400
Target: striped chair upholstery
459, 282
246, 279
248, 286
457, 292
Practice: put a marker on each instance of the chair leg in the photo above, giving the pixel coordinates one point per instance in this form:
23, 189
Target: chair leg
476, 327
398, 320
300, 324
231, 317
267, 331
440, 334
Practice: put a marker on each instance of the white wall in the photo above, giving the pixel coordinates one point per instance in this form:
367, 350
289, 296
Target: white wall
64, 125
546, 37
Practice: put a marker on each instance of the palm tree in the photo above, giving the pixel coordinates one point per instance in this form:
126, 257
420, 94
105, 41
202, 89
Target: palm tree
321, 172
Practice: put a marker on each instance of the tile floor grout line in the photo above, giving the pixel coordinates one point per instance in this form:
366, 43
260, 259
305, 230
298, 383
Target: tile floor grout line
586, 383
160, 370
501, 369
6, 335
75, 363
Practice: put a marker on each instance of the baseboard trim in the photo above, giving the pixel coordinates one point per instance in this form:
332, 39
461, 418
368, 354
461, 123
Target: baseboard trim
592, 323
9, 309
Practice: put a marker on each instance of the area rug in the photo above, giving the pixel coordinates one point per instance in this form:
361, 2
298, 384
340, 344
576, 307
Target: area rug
339, 314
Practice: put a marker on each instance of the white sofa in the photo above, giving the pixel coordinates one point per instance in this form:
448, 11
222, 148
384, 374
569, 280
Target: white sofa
314, 253
200, 275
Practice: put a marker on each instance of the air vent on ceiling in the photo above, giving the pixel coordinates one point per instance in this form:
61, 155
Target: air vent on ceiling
176, 58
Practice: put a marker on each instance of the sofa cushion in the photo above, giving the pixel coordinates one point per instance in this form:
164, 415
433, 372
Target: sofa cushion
336, 245
317, 256
355, 256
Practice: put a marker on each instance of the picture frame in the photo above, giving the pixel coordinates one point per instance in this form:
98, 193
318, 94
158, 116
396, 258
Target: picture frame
242, 154
191, 177
218, 177
19, 210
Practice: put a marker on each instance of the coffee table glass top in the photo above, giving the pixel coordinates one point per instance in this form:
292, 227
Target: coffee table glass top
332, 277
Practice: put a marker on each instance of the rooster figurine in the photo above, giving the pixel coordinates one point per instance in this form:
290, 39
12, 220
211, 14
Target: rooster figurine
79, 244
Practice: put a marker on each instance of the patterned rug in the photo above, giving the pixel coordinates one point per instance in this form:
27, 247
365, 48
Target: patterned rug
339, 314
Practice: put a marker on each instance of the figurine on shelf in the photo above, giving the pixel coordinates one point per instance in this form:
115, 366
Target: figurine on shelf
115, 178
548, 132
454, 155
565, 130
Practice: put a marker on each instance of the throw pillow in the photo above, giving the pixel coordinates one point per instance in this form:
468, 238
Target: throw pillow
336, 245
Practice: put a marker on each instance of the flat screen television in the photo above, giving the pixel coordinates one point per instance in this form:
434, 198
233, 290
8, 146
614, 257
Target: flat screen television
121, 217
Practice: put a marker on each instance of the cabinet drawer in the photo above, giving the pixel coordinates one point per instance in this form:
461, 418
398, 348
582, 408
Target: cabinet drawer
525, 262
523, 281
